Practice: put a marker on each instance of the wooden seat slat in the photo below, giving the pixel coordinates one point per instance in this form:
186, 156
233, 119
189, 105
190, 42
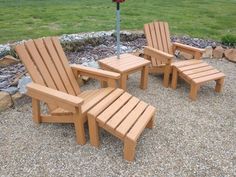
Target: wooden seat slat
122, 113
198, 70
141, 123
106, 102
113, 108
202, 74
60, 111
89, 103
130, 120
194, 66
49, 63
208, 78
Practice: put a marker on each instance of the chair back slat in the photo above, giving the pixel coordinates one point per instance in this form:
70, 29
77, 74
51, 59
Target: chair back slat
42, 68
59, 65
50, 65
65, 63
158, 36
148, 35
29, 64
47, 64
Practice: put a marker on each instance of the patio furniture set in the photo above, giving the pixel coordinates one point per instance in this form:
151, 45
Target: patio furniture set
110, 108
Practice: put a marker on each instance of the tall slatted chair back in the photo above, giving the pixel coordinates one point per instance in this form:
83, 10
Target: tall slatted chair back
158, 36
47, 64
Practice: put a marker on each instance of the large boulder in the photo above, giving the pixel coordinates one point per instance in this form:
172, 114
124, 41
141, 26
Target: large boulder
218, 52
5, 101
230, 54
8, 60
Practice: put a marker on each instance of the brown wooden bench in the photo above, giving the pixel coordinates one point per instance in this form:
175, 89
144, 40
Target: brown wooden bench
122, 115
196, 73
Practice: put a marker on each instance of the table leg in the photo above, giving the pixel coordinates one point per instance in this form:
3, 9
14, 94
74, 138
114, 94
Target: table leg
174, 78
123, 79
144, 78
193, 91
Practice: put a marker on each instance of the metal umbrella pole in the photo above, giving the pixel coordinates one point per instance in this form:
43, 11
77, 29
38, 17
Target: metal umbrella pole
118, 29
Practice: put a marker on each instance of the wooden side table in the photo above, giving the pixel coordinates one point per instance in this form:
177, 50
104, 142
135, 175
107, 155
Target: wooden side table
126, 65
196, 73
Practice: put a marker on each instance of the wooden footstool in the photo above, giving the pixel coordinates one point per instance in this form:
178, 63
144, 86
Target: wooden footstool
122, 115
196, 73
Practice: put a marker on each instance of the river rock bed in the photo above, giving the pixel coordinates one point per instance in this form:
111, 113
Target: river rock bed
87, 48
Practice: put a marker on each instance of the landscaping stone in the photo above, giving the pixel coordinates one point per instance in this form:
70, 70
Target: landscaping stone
16, 98
208, 52
8, 60
5, 101
230, 54
10, 90
218, 52
185, 56
22, 84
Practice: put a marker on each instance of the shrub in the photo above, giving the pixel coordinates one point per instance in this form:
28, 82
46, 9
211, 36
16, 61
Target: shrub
229, 40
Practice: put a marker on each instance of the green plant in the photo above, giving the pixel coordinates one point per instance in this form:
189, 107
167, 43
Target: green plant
229, 40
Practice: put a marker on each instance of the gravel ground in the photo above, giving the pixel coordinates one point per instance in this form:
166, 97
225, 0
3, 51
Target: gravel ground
189, 138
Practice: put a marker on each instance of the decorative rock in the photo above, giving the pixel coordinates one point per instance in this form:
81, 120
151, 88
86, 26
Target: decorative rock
185, 56
5, 101
93, 64
7, 60
16, 97
80, 81
218, 52
22, 84
10, 90
3, 84
85, 78
230, 54
208, 52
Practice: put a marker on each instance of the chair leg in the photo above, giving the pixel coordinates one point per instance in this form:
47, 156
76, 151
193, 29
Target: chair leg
174, 78
219, 85
93, 131
166, 76
197, 55
36, 110
193, 91
129, 149
79, 128
151, 122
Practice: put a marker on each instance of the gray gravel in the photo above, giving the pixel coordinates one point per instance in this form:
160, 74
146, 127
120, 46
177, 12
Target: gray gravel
189, 138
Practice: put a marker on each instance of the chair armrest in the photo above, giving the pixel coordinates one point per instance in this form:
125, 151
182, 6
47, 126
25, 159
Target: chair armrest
158, 55
55, 97
94, 72
187, 47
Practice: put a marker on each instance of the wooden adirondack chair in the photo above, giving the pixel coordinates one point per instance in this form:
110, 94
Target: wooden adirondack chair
54, 82
160, 50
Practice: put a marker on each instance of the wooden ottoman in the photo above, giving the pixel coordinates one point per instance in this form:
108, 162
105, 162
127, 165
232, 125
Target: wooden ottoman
122, 115
196, 73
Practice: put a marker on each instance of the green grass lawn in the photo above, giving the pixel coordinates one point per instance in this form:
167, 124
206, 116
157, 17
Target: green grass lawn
23, 19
